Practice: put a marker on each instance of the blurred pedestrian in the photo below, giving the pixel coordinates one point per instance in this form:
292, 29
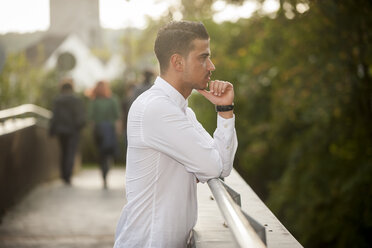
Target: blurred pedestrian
104, 112
125, 105
67, 121
146, 84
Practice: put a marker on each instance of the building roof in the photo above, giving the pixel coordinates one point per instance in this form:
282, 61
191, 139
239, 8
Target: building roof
41, 50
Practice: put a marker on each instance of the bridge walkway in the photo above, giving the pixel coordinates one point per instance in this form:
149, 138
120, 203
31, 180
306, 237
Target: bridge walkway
84, 215
54, 215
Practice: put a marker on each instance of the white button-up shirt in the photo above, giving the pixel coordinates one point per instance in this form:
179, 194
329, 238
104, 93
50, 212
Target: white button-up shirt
168, 149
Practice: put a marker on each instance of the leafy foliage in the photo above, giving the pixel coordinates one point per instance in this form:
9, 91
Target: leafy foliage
304, 116
21, 82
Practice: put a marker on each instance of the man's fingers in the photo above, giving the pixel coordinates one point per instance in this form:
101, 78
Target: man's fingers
218, 87
224, 88
221, 88
204, 92
221, 93
212, 87
207, 94
215, 87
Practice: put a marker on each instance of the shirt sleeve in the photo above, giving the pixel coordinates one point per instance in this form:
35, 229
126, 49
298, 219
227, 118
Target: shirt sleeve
168, 129
226, 142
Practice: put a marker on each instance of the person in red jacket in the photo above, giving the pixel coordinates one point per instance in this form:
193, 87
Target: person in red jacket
104, 112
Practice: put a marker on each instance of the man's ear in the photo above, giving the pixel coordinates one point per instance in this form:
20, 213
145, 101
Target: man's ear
177, 62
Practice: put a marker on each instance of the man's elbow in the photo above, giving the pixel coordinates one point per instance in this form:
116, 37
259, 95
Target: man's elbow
212, 170
226, 171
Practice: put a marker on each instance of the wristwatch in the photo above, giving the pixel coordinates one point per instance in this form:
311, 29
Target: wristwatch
224, 108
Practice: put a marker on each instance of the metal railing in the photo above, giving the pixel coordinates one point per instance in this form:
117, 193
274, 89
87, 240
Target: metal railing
23, 116
245, 235
28, 155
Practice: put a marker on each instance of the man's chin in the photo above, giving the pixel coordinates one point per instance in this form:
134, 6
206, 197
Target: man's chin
202, 87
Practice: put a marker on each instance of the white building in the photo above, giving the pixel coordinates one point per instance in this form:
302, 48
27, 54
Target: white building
87, 68
74, 29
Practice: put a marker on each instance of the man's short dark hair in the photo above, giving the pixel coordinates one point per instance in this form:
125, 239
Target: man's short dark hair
177, 37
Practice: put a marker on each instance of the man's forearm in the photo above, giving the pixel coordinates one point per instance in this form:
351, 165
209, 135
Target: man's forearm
225, 141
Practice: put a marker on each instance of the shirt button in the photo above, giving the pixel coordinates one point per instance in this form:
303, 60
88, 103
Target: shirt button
225, 125
228, 147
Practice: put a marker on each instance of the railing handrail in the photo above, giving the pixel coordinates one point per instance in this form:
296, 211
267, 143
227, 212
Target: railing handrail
243, 232
24, 109
23, 116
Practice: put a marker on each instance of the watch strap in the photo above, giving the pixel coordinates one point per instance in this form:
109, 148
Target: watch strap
224, 108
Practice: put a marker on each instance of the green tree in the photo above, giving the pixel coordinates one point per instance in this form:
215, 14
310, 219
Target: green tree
303, 111
327, 179
21, 82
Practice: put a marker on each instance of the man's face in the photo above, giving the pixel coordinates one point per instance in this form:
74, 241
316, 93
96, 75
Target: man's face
198, 65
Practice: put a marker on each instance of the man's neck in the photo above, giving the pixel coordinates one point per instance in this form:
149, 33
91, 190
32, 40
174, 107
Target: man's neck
177, 84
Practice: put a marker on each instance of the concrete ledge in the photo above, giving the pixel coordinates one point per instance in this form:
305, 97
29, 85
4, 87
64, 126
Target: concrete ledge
212, 231
277, 236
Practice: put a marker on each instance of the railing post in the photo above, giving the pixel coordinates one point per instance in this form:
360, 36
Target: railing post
243, 232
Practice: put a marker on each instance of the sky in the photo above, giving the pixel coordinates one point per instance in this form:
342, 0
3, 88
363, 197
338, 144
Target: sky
33, 15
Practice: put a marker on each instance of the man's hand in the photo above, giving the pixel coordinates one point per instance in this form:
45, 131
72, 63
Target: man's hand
220, 93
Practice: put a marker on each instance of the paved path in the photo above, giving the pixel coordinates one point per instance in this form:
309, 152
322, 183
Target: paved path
57, 216
85, 215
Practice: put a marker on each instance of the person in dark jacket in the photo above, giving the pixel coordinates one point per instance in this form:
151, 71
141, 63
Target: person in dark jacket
145, 85
67, 121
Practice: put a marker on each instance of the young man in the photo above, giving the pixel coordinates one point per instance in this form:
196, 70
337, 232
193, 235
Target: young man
168, 149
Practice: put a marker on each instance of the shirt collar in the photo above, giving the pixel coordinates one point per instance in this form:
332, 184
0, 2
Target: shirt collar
170, 91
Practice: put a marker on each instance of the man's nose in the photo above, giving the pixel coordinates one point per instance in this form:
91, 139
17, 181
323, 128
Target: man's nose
211, 66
